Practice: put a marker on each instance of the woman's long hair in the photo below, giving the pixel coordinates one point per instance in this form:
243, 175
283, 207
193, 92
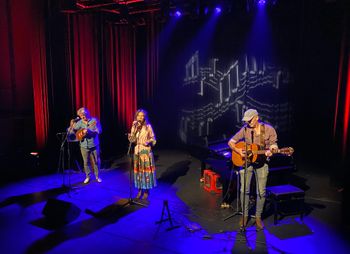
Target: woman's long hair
146, 122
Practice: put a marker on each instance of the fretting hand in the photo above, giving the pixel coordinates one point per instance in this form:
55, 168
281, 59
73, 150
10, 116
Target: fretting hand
268, 153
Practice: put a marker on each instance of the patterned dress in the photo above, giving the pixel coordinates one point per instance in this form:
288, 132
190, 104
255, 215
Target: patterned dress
144, 166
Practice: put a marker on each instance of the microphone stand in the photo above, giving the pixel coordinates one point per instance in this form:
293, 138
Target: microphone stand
131, 201
243, 228
237, 212
61, 161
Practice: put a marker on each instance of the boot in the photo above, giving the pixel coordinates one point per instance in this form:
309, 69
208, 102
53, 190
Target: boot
243, 222
259, 223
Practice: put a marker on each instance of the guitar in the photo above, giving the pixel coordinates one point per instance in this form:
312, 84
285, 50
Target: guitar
81, 134
253, 152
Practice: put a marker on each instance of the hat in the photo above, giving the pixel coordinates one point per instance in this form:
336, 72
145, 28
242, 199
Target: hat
249, 114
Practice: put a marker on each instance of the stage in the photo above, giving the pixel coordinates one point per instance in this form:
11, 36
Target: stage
105, 225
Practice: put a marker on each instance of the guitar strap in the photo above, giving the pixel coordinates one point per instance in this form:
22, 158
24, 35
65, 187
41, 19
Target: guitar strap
262, 136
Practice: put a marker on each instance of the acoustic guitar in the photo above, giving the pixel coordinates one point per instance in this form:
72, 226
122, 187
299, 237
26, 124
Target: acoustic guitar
80, 135
253, 152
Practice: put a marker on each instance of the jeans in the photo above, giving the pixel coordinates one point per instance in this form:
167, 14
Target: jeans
91, 157
261, 174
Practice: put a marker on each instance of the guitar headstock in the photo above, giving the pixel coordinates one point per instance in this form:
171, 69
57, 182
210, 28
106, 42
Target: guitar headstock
287, 151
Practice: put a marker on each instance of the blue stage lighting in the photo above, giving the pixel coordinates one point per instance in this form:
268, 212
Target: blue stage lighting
218, 9
178, 13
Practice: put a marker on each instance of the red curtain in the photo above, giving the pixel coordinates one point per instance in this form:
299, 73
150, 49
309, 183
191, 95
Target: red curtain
121, 72
83, 45
23, 80
342, 107
39, 75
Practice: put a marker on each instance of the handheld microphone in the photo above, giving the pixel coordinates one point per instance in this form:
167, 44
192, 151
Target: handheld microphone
137, 123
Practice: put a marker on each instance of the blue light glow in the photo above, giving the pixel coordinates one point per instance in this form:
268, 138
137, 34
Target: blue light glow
178, 13
218, 9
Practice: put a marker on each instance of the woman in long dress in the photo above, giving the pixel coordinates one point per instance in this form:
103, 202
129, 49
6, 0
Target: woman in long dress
144, 167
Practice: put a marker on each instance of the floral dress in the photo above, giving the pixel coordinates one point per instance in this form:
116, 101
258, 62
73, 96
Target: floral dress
144, 166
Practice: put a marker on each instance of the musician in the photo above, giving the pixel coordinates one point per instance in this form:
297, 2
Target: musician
254, 132
87, 129
143, 137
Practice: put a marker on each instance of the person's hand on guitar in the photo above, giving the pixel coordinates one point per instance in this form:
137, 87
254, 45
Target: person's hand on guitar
240, 151
81, 133
271, 151
268, 153
84, 132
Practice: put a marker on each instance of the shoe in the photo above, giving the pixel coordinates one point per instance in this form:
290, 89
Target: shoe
99, 180
259, 223
243, 222
138, 195
145, 196
87, 179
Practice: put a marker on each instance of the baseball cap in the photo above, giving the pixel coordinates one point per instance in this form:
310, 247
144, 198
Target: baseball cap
249, 114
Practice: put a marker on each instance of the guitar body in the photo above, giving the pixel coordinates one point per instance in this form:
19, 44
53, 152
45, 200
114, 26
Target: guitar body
80, 135
252, 155
253, 152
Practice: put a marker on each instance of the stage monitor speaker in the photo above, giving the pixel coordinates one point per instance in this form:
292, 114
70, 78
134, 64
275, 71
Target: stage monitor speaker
58, 211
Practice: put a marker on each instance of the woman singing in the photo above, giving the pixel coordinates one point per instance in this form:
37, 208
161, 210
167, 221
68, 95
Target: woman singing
144, 167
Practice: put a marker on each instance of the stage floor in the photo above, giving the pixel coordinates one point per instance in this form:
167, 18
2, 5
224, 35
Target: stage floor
106, 225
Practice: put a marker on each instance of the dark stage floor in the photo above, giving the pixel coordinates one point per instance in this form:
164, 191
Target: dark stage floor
104, 225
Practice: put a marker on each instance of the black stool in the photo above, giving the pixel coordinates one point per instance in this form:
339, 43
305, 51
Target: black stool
288, 197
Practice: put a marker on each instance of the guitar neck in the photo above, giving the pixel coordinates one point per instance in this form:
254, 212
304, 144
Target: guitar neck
259, 152
264, 151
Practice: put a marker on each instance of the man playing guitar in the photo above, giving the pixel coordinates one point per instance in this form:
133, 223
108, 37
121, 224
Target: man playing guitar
87, 129
254, 132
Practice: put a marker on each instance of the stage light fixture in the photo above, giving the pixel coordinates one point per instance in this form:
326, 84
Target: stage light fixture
218, 9
178, 13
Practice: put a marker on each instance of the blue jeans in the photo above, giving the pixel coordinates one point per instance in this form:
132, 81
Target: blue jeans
261, 179
91, 157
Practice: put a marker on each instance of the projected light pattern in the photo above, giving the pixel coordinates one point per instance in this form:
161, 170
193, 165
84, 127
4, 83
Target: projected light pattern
220, 97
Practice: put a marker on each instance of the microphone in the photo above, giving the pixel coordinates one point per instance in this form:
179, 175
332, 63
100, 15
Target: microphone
136, 123
76, 119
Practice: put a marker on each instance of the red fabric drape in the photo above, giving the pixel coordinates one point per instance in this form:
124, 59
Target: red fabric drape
39, 76
342, 108
23, 80
84, 62
121, 72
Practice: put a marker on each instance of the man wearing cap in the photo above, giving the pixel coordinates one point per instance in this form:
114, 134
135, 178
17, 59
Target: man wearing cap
264, 135
89, 143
